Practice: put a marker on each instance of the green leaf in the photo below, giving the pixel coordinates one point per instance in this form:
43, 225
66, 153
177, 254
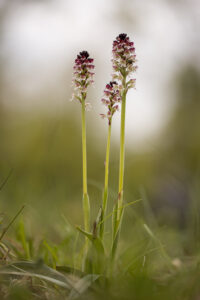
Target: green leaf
22, 239
96, 241
53, 253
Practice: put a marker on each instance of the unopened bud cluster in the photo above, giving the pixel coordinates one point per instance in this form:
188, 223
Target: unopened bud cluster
83, 75
111, 99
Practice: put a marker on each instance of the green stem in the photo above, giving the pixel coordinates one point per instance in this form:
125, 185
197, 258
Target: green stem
86, 203
122, 155
105, 192
84, 149
118, 209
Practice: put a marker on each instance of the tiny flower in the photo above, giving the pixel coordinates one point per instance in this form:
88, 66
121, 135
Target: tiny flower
83, 75
88, 106
111, 99
131, 83
124, 59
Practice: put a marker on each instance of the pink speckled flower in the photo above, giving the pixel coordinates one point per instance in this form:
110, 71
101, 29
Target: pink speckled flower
124, 59
83, 75
111, 99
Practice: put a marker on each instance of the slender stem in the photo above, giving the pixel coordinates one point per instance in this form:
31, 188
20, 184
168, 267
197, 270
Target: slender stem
105, 192
122, 156
86, 203
118, 209
84, 149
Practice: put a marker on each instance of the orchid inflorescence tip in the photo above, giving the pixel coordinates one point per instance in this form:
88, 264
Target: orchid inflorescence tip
83, 75
124, 59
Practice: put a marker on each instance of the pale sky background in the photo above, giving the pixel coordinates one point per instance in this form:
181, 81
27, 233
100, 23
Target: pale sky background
42, 39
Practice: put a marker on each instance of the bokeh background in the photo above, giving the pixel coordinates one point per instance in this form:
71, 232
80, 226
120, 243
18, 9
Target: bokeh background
40, 129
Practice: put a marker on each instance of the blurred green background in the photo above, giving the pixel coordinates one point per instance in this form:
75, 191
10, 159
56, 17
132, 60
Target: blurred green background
40, 130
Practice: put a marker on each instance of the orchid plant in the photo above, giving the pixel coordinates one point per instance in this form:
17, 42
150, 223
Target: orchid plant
124, 59
111, 100
115, 92
83, 78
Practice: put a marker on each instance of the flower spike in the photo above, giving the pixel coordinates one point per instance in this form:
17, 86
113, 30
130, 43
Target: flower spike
111, 99
124, 59
83, 75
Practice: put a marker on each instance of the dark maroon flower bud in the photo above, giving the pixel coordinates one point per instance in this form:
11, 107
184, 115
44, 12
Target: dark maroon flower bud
83, 77
124, 58
122, 36
84, 54
111, 98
